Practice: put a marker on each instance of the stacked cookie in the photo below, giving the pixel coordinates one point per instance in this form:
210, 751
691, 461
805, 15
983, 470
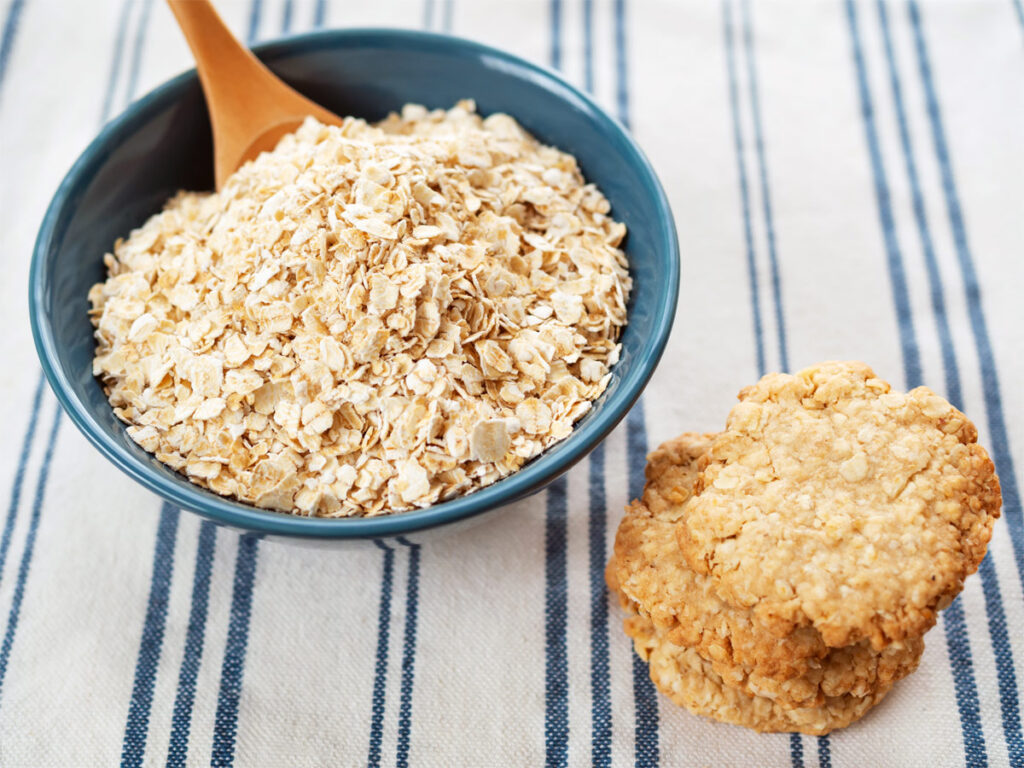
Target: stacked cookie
781, 574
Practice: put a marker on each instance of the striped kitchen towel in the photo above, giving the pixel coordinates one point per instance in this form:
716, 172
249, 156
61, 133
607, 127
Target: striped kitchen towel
848, 182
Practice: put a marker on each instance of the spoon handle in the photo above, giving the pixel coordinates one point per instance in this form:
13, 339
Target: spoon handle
244, 98
225, 66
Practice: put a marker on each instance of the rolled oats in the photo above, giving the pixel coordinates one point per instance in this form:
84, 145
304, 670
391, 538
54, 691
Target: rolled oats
369, 318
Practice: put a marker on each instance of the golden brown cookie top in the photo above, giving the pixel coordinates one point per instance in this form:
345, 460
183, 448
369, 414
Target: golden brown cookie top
832, 501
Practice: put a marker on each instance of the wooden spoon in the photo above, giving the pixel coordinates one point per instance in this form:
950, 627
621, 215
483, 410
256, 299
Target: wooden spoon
250, 107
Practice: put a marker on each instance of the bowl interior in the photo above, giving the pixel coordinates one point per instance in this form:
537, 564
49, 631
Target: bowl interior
162, 144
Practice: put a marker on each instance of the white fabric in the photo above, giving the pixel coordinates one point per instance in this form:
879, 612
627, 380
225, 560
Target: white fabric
78, 599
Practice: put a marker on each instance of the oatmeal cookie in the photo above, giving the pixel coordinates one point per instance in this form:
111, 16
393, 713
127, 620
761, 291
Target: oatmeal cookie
689, 680
831, 501
655, 580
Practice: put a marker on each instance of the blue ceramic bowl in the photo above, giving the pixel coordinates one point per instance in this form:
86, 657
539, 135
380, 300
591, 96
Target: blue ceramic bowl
162, 144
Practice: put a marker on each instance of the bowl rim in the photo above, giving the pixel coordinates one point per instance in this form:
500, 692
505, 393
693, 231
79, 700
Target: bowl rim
532, 477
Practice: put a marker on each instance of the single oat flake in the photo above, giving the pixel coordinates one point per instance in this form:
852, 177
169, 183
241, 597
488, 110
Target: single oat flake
367, 319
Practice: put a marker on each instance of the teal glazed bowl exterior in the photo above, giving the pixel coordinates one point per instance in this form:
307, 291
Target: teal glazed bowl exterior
162, 143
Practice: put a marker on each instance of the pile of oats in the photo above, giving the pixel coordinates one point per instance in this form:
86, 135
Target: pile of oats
369, 318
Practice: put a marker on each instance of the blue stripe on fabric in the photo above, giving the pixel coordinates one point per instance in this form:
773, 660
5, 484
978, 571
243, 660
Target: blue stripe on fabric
986, 359
10, 33
645, 698
737, 137
621, 68
136, 730
959, 650
555, 10
19, 474
184, 699
1005, 673
380, 673
447, 12
897, 275
769, 219
140, 36
600, 684
646, 749
26, 556
428, 14
556, 660
255, 11
958, 643
412, 592
796, 750
287, 11
225, 726
115, 65
588, 45
1018, 7
319, 13
824, 752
